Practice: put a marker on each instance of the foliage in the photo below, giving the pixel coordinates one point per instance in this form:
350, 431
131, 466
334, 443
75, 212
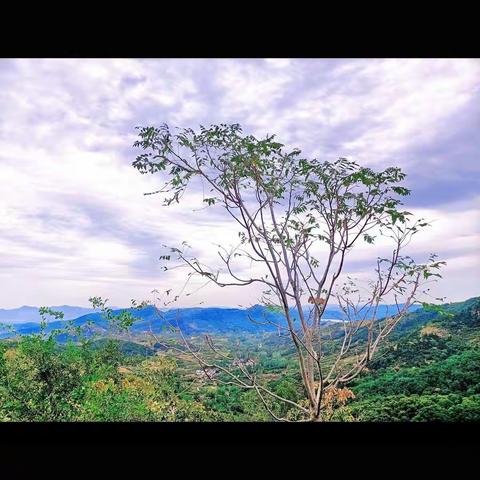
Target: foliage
421, 376
288, 207
43, 380
426, 374
418, 408
458, 373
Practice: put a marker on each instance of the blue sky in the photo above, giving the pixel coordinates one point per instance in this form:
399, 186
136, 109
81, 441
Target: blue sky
74, 221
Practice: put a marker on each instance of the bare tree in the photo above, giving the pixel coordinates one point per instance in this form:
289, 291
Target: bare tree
291, 211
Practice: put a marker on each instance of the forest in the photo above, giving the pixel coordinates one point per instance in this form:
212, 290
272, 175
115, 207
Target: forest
428, 370
335, 340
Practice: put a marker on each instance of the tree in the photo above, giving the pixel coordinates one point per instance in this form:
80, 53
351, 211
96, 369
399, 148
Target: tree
62, 374
287, 209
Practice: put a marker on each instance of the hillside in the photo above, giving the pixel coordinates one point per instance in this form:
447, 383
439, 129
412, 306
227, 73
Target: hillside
192, 321
429, 370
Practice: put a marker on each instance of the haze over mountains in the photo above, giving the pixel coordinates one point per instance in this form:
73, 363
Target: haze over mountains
27, 313
190, 320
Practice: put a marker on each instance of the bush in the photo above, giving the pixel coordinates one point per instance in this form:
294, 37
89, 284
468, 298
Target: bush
418, 408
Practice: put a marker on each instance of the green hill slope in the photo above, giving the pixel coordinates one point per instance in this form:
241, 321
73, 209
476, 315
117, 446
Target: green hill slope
428, 371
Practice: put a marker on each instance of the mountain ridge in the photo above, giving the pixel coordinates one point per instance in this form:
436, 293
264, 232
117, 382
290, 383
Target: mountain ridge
192, 320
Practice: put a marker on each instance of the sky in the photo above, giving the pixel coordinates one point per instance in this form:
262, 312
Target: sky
74, 222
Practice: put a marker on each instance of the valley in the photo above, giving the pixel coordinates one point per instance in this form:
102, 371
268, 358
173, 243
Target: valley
428, 370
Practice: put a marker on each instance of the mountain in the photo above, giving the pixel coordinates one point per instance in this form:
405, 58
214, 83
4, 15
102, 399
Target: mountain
190, 320
427, 370
30, 314
194, 320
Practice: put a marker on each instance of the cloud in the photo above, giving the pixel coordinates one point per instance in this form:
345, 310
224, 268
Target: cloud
73, 218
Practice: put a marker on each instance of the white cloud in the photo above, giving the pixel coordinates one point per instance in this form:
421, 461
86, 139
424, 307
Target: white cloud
73, 217
278, 62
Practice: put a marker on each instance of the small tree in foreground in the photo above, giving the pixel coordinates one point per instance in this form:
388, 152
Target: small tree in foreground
298, 220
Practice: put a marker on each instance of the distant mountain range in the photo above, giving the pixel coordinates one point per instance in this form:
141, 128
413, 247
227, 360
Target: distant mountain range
189, 320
